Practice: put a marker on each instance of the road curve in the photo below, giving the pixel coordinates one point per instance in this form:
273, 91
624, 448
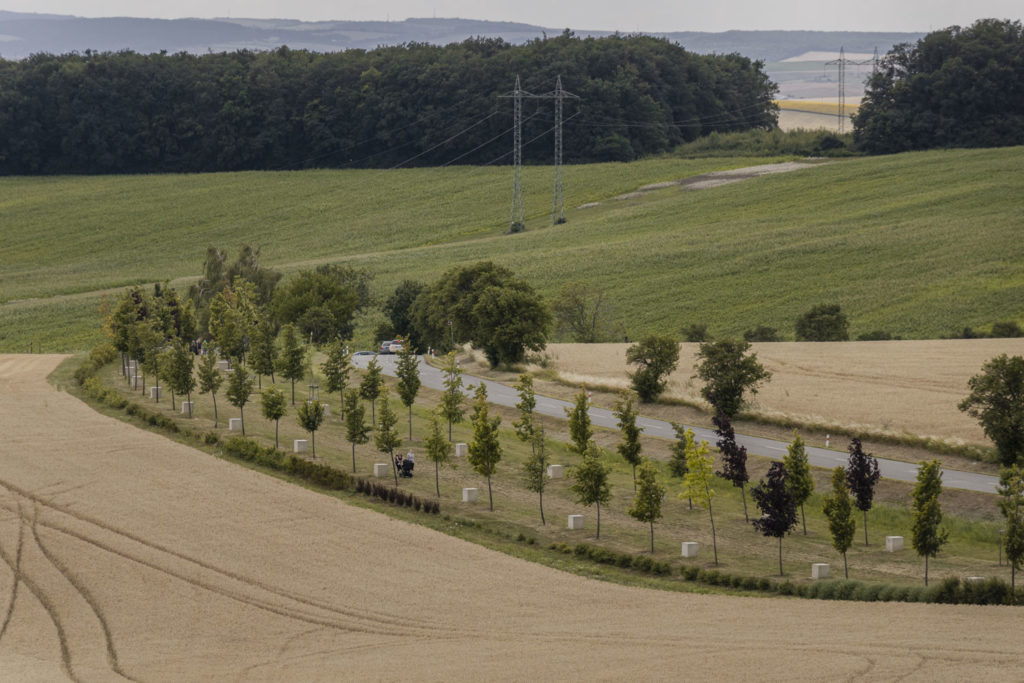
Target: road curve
502, 394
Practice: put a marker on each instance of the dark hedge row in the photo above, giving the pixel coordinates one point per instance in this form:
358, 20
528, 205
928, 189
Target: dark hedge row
390, 494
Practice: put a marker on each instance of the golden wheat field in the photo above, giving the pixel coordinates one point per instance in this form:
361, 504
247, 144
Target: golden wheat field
888, 386
129, 556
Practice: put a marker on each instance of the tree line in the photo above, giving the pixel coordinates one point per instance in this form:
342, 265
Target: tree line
957, 87
418, 104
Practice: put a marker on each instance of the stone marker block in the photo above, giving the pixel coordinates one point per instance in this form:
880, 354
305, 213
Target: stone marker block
187, 407
327, 409
819, 570
973, 579
223, 365
470, 495
235, 424
575, 521
690, 548
154, 393
556, 471
893, 543
381, 470
300, 446
461, 450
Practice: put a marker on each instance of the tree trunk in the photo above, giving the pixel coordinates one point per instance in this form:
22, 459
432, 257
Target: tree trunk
780, 557
189, 397
449, 430
276, 424
410, 422
634, 482
714, 538
865, 527
743, 492
490, 496
259, 380
846, 569
312, 438
157, 375
598, 519
143, 383
803, 518
241, 414
437, 478
373, 411
216, 422
541, 492
293, 392
353, 457
652, 537
394, 467
926, 570
172, 400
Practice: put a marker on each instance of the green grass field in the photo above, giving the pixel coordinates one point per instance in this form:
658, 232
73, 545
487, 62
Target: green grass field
917, 244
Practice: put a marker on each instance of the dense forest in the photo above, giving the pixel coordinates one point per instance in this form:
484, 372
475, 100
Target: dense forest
415, 104
958, 87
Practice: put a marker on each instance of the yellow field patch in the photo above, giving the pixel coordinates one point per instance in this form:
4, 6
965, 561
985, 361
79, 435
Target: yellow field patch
892, 386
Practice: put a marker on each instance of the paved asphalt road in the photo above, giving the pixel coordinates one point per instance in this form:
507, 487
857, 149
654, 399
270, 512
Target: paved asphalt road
819, 457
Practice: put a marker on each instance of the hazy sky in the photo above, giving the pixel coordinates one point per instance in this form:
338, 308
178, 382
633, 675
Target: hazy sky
621, 15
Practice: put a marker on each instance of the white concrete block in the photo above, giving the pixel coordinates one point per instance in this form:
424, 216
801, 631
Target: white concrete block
974, 579
381, 470
327, 409
819, 570
154, 393
575, 521
223, 365
690, 548
461, 450
235, 424
187, 407
556, 471
470, 495
300, 446
893, 543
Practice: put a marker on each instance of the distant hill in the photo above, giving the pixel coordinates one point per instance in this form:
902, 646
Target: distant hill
24, 34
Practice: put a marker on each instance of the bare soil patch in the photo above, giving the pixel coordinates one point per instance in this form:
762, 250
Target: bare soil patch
128, 555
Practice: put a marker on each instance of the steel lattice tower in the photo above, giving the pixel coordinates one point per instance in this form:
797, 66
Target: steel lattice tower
558, 203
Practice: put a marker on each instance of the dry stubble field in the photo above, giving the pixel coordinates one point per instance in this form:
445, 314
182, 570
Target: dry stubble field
889, 386
126, 555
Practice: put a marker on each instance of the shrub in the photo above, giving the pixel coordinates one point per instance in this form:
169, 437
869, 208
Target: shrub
690, 573
762, 333
103, 354
750, 583
1006, 329
787, 588
765, 585
211, 438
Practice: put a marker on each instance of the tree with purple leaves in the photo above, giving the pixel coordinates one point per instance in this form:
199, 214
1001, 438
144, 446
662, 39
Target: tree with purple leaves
861, 477
774, 498
734, 457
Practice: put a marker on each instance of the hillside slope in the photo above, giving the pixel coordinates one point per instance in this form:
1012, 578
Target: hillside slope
917, 244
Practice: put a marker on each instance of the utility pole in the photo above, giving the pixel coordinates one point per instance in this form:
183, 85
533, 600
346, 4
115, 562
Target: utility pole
841, 63
517, 223
558, 203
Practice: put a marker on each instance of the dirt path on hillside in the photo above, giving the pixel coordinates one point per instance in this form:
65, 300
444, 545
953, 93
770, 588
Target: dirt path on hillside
127, 556
713, 179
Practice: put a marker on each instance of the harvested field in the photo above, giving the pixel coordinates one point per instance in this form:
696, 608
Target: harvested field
891, 386
128, 555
